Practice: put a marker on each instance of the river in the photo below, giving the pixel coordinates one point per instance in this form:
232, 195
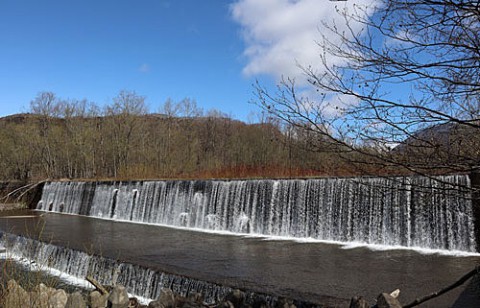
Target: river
312, 270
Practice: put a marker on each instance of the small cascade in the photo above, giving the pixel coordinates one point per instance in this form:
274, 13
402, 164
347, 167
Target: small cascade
139, 281
423, 212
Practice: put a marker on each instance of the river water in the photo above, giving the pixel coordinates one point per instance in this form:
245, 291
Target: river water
310, 270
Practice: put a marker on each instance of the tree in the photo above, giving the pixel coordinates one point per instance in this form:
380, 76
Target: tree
430, 49
126, 129
46, 106
80, 148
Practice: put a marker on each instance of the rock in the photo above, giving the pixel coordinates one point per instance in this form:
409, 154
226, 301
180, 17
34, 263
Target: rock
236, 297
133, 302
227, 304
259, 302
385, 300
358, 302
58, 299
180, 301
41, 288
196, 298
16, 296
118, 298
76, 300
155, 304
165, 300
98, 300
39, 297
395, 293
284, 303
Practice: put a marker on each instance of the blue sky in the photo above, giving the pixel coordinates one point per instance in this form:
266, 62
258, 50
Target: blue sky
211, 51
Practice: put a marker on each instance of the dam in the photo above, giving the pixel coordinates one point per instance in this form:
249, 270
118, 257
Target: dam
322, 240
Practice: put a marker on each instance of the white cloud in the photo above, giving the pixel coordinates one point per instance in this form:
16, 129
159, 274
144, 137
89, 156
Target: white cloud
144, 68
280, 35
329, 106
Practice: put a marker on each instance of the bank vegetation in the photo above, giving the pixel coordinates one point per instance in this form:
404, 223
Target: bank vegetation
76, 139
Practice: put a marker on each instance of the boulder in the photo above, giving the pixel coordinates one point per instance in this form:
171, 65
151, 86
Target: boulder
16, 296
182, 301
227, 304
155, 304
165, 300
39, 298
196, 298
284, 303
118, 298
58, 299
98, 300
259, 302
133, 302
358, 302
236, 297
76, 300
386, 300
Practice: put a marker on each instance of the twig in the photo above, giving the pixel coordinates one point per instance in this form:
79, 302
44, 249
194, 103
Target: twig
97, 285
28, 188
458, 283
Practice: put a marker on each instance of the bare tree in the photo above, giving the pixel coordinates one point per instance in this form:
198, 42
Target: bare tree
429, 50
80, 136
46, 106
126, 128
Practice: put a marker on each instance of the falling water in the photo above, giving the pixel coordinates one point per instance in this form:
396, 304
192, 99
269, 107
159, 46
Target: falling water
406, 211
138, 280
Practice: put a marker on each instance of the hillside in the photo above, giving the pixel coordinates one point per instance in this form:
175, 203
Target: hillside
121, 146
447, 145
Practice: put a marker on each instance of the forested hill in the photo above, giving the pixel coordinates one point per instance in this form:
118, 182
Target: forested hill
132, 146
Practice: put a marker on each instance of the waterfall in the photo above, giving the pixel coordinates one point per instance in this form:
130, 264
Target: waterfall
139, 281
421, 212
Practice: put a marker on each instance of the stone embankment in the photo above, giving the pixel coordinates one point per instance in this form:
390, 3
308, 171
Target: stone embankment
41, 296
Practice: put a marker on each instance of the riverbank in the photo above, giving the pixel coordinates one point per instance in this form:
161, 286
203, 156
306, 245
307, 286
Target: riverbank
18, 195
12, 206
13, 295
285, 268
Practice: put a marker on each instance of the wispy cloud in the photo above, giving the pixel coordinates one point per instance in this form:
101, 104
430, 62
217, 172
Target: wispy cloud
280, 35
166, 4
144, 68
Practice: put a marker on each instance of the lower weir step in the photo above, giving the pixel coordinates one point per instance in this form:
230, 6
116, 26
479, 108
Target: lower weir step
139, 281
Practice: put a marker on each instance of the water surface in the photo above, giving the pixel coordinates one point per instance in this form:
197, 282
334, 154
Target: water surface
316, 272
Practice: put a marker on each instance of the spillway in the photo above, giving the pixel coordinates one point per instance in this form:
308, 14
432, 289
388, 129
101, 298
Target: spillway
311, 271
433, 213
139, 280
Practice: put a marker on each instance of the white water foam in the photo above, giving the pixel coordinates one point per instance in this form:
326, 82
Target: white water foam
306, 240
73, 266
420, 250
414, 212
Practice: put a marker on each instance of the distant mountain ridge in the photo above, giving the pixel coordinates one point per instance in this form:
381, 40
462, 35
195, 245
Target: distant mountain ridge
447, 143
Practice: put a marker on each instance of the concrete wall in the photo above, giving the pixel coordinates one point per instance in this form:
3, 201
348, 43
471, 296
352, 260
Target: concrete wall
475, 182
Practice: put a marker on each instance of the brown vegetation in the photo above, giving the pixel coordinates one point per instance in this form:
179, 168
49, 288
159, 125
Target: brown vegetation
75, 139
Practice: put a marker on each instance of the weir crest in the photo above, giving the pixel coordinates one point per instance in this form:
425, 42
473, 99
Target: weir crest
139, 281
434, 213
